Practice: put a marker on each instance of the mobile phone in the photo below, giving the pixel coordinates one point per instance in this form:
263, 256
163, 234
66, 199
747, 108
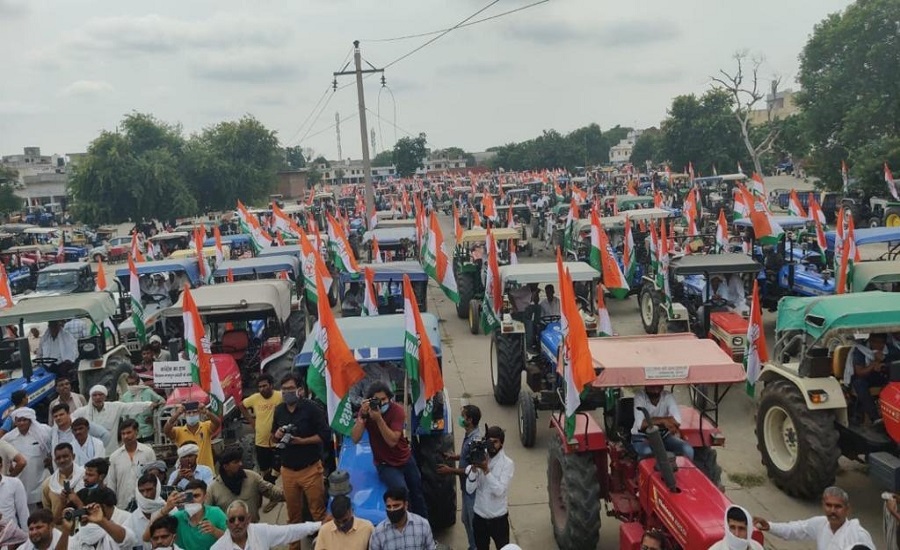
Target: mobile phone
187, 497
192, 406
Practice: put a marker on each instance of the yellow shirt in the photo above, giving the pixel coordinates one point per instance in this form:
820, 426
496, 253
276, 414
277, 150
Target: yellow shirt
264, 411
203, 439
329, 538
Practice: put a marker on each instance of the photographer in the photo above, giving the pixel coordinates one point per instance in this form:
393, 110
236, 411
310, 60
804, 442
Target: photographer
97, 529
490, 480
383, 420
469, 418
199, 525
66, 479
300, 430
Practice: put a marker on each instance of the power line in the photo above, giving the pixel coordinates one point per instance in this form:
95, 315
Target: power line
331, 126
316, 106
389, 122
431, 33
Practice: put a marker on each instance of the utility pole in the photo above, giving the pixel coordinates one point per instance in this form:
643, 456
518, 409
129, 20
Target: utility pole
363, 130
337, 127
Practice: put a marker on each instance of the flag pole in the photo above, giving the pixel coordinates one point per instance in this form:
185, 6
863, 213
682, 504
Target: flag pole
406, 402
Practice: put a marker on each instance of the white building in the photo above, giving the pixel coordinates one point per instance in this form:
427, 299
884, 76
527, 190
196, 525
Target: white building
351, 171
621, 152
42, 178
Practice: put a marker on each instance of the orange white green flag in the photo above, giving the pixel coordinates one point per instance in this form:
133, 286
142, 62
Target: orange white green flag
629, 260
576, 367
136, 253
603, 260
437, 263
197, 350
721, 233
457, 227
376, 252
604, 323
756, 353
420, 359
765, 228
849, 257
284, 222
137, 308
314, 270
889, 180
492, 303
795, 208
341, 253
333, 370
370, 299
488, 208
220, 250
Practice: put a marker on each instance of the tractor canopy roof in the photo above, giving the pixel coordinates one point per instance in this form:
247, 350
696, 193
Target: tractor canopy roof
515, 207
700, 264
283, 251
876, 272
244, 299
523, 274
713, 180
786, 222
187, 266
16, 227
23, 249
629, 202
407, 222
65, 266
238, 238
264, 265
668, 359
208, 252
389, 271
390, 235
373, 339
170, 235
869, 235
855, 312
97, 306
479, 234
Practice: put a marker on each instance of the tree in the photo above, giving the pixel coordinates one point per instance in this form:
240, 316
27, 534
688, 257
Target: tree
409, 154
384, 158
648, 147
849, 79
745, 96
320, 160
9, 201
8, 175
293, 158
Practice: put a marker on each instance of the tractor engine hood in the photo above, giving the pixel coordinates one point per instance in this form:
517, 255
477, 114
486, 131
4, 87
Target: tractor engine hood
551, 339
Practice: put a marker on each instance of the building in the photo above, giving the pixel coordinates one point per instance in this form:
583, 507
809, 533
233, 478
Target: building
351, 171
42, 178
781, 104
292, 183
621, 152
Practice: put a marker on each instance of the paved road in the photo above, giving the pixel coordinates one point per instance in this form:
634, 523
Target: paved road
467, 377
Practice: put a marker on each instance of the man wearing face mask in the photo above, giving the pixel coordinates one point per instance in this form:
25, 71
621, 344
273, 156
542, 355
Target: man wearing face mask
197, 431
109, 413
470, 417
236, 483
98, 530
402, 529
199, 525
66, 479
244, 534
188, 468
664, 412
738, 531
345, 532
139, 393
147, 495
302, 471
490, 482
126, 462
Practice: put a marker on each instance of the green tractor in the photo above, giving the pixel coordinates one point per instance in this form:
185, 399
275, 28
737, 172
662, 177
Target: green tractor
468, 261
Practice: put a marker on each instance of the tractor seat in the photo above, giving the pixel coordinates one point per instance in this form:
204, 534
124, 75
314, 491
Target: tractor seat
235, 343
839, 362
625, 417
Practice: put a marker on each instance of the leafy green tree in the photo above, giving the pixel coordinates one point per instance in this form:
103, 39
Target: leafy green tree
9, 201
322, 160
648, 147
409, 154
384, 158
8, 175
849, 79
293, 158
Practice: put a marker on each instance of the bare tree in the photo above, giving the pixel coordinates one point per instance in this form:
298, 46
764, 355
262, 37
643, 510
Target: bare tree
745, 96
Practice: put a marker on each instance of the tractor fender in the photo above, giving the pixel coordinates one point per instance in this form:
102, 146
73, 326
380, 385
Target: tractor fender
588, 435
832, 388
287, 346
679, 312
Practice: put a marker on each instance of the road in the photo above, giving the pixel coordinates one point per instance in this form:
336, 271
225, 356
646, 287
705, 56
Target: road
467, 377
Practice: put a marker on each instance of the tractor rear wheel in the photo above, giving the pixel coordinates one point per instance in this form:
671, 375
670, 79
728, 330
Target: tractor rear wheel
507, 363
799, 447
707, 460
465, 285
574, 498
892, 216
875, 222
440, 490
474, 316
649, 304
527, 419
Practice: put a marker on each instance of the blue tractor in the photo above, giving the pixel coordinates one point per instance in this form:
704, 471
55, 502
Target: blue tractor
388, 278
380, 339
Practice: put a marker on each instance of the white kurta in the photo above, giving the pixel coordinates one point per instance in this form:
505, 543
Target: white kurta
110, 416
817, 529
35, 446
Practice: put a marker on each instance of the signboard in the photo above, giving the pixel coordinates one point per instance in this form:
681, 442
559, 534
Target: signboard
172, 374
674, 372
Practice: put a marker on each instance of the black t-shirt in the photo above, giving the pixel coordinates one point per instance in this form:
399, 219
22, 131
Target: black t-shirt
308, 420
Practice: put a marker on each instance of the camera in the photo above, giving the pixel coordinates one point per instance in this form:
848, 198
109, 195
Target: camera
72, 515
478, 451
374, 403
286, 438
187, 497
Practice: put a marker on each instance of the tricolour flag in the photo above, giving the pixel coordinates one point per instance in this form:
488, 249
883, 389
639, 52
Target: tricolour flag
136, 253
839, 229
576, 367
376, 252
341, 253
457, 228
6, 299
691, 212
476, 218
722, 232
370, 301
741, 208
629, 259
220, 250
845, 177
849, 257
488, 208
205, 272
419, 358
137, 308
818, 218
333, 369
437, 263
795, 208
889, 179
250, 225
604, 324
284, 222
313, 269
493, 293
196, 348
606, 264
662, 273
756, 353
569, 230
757, 186
765, 228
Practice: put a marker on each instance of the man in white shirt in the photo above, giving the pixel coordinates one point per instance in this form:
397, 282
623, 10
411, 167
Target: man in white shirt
550, 304
490, 482
65, 395
58, 344
244, 535
42, 535
13, 501
13, 461
68, 475
831, 531
664, 412
87, 447
61, 427
109, 413
32, 439
99, 529
126, 463
149, 500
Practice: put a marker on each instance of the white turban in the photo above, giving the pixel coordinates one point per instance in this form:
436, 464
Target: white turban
99, 388
24, 412
187, 449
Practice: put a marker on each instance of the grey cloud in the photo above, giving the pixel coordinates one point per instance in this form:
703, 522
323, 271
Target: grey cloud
657, 78
613, 34
13, 8
12, 108
87, 88
475, 69
259, 66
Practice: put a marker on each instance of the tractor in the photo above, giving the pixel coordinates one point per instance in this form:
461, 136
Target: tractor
380, 339
805, 411
388, 279
468, 266
395, 243
509, 356
595, 464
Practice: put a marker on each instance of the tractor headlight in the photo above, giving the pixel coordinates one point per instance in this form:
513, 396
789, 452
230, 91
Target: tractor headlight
737, 341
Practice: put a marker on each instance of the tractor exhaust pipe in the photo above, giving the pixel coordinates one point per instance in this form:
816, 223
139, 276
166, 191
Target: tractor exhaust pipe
663, 464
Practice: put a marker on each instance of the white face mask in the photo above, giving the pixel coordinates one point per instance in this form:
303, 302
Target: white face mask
147, 505
735, 543
91, 534
193, 508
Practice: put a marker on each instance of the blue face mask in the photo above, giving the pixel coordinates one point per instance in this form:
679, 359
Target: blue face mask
385, 407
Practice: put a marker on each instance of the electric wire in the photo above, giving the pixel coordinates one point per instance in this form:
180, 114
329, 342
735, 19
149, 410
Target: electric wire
316, 106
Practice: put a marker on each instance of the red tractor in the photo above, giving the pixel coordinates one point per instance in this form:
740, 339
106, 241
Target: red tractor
679, 497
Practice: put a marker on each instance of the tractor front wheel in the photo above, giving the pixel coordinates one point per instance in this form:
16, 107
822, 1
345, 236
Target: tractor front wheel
892, 216
527, 419
507, 363
799, 447
466, 288
440, 490
474, 316
574, 498
649, 304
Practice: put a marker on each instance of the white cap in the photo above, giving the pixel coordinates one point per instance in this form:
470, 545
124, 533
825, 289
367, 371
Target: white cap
155, 338
99, 388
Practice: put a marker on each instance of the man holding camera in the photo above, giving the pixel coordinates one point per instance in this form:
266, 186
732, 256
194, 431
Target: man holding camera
66, 479
489, 478
300, 430
469, 417
97, 529
383, 420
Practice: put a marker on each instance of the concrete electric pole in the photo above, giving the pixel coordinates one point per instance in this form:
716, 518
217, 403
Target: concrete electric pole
363, 130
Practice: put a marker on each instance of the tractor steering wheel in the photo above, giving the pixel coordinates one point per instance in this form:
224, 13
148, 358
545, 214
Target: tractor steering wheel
45, 361
716, 301
584, 302
156, 298
547, 319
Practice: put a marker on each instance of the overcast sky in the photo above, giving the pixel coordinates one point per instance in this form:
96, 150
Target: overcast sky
73, 68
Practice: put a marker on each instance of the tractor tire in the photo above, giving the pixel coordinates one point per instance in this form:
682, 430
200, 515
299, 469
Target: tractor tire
875, 222
527, 419
333, 294
465, 285
707, 461
507, 363
799, 447
648, 302
574, 498
892, 216
440, 490
109, 377
474, 316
